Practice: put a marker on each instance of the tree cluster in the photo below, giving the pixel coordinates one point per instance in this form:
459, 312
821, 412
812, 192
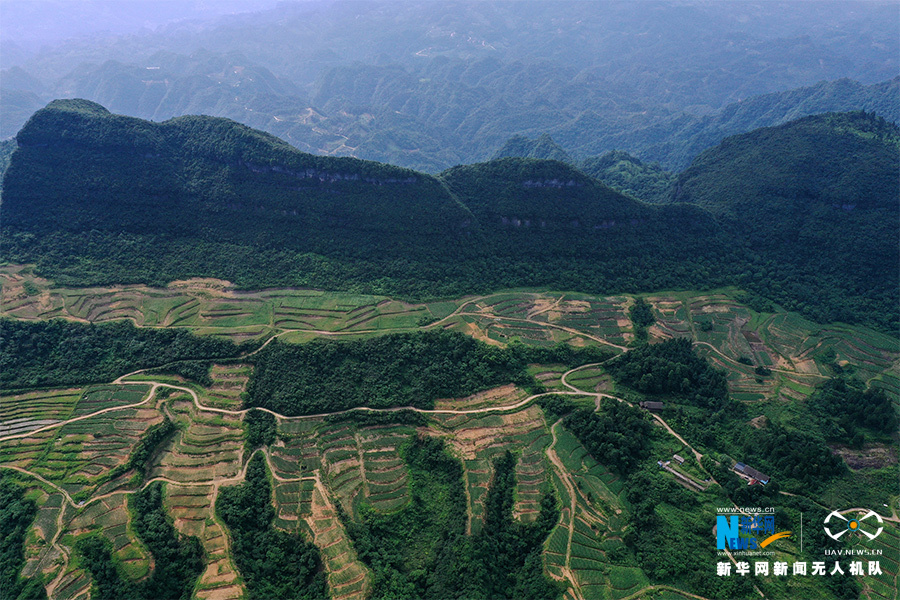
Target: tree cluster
57, 352
674, 369
273, 563
178, 560
149, 443
850, 409
16, 516
195, 370
259, 429
617, 436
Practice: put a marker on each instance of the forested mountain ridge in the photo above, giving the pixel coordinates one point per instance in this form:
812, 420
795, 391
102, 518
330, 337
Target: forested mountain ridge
96, 198
542, 147
630, 175
818, 196
674, 142
78, 167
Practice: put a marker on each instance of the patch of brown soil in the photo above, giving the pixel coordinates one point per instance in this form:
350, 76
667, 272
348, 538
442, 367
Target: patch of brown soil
206, 284
873, 456
506, 394
760, 422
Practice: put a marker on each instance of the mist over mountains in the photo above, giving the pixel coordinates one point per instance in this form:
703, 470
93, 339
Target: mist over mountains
432, 85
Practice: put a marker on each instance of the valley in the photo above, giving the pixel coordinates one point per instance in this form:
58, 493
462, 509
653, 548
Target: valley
379, 300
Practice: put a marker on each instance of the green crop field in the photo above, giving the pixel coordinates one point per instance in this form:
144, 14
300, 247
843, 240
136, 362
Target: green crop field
28, 411
322, 466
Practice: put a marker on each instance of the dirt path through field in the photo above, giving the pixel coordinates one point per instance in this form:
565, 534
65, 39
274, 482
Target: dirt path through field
659, 419
54, 543
564, 477
150, 394
738, 365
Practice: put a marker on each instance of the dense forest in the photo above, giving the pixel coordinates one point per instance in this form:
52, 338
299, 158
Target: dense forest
177, 560
519, 146
273, 563
87, 206
408, 369
403, 369
601, 150
815, 201
617, 435
58, 352
16, 515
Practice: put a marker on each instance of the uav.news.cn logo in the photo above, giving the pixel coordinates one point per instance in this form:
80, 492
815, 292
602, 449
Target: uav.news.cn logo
852, 526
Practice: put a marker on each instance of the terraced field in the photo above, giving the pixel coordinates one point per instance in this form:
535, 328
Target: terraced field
876, 587
479, 440
209, 445
213, 307
348, 578
191, 506
229, 382
28, 411
506, 395
65, 443
80, 454
586, 548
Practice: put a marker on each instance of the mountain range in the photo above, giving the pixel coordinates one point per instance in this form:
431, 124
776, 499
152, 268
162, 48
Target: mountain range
429, 86
94, 197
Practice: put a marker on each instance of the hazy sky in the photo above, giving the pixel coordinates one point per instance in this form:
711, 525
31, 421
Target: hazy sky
34, 22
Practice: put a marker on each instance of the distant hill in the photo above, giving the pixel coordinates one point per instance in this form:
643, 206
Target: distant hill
675, 141
169, 84
542, 147
93, 197
818, 197
16, 106
429, 85
628, 174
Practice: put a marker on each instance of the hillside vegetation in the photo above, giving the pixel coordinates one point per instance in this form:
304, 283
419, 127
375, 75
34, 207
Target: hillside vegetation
544, 482
816, 200
95, 198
